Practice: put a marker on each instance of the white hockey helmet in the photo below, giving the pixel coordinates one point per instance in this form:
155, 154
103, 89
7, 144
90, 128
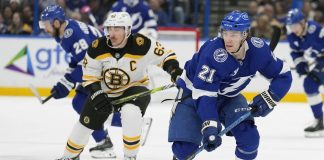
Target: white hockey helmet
118, 19
131, 3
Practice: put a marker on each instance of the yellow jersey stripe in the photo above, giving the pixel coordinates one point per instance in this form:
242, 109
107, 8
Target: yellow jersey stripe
170, 57
128, 55
103, 56
91, 77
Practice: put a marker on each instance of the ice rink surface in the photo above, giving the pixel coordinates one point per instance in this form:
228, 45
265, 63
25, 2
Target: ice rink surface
31, 131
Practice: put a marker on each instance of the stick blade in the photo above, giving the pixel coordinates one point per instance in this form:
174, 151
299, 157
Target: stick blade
35, 92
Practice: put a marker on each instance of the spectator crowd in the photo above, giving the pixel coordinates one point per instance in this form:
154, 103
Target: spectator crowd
17, 16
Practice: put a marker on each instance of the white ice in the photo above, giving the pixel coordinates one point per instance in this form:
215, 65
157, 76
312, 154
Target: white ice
31, 131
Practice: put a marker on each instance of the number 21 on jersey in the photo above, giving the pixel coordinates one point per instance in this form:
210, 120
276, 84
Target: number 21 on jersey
206, 74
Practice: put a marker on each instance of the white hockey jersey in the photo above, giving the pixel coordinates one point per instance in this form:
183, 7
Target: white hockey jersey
119, 69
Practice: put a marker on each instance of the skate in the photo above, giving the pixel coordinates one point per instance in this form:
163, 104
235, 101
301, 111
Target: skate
147, 123
129, 158
104, 149
75, 158
316, 129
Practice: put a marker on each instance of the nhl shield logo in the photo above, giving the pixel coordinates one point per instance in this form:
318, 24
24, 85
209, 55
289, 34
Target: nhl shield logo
68, 32
311, 29
220, 55
257, 42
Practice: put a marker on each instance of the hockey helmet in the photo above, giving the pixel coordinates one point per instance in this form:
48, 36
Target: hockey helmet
236, 21
294, 16
131, 3
118, 19
51, 13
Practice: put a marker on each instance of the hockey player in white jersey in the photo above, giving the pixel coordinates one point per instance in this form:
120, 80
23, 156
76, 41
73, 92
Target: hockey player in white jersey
113, 68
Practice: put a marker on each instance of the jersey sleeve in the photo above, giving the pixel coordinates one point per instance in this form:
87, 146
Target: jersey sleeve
92, 68
274, 69
162, 57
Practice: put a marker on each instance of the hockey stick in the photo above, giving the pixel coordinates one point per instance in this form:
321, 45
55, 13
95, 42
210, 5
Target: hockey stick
142, 94
227, 129
36, 94
148, 124
275, 38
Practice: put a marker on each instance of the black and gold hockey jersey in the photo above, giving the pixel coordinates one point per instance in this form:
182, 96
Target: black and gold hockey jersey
119, 69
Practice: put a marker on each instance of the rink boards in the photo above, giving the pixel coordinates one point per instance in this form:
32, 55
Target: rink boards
42, 62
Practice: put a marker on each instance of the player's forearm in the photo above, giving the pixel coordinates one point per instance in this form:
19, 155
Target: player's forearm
281, 84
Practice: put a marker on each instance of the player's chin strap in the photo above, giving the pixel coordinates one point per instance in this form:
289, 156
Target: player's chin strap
242, 41
118, 46
238, 48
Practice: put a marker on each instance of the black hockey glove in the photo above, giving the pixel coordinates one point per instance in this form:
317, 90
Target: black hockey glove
98, 97
263, 103
175, 74
210, 130
100, 100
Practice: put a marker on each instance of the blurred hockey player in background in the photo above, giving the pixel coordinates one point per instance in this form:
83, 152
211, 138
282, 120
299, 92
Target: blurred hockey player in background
114, 67
142, 16
74, 37
210, 91
303, 35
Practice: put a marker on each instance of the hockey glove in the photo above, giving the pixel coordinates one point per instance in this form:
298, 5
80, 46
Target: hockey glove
101, 100
175, 74
210, 130
62, 88
263, 103
302, 68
